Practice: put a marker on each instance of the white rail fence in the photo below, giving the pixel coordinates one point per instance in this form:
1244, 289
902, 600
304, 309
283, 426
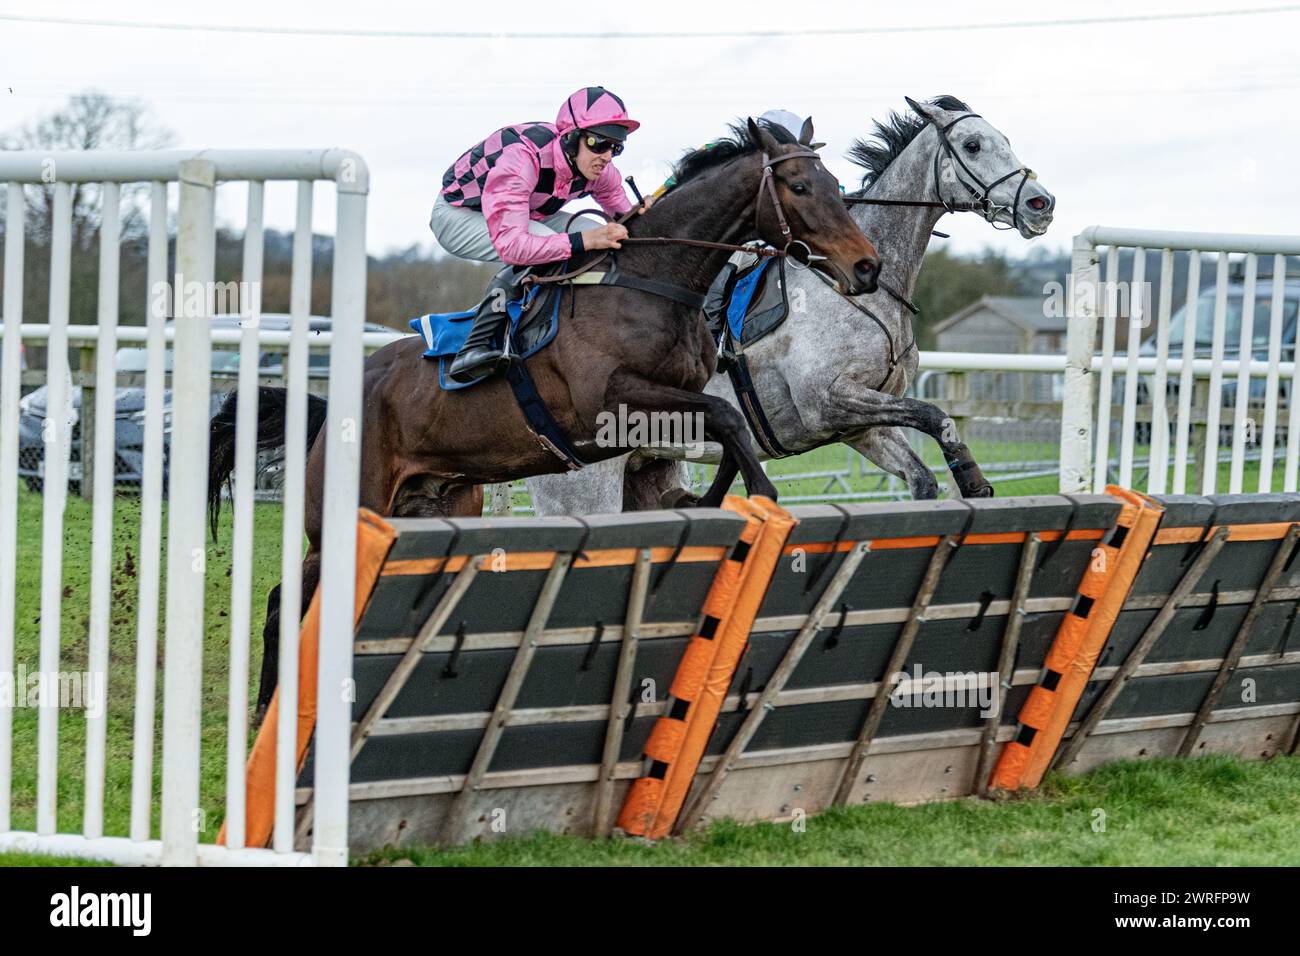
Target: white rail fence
84, 339
1201, 364
197, 175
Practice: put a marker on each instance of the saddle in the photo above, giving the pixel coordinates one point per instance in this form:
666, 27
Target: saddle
534, 320
745, 305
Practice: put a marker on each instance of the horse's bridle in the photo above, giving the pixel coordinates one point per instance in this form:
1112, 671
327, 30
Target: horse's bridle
768, 184
983, 202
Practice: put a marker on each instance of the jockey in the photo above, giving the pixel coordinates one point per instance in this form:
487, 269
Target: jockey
501, 201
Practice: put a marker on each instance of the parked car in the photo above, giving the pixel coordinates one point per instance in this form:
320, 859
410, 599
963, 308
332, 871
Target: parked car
129, 453
1235, 302
129, 404
1203, 345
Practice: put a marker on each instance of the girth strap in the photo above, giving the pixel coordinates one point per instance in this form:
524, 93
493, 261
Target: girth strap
750, 406
539, 417
653, 286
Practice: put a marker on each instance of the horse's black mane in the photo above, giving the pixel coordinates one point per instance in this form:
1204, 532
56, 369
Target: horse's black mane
893, 136
724, 150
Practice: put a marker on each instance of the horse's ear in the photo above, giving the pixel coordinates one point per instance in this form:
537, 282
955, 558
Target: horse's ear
760, 137
806, 133
920, 110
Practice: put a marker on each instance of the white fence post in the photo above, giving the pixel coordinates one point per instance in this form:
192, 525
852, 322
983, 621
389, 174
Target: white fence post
102, 474
186, 839
295, 463
10, 372
57, 445
158, 306
339, 538
1076, 410
186, 545
241, 568
1232, 296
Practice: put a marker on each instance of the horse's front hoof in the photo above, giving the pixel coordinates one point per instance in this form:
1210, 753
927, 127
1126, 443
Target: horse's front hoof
971, 482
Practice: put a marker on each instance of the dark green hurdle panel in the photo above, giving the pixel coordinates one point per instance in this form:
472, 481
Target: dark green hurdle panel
459, 678
1205, 625
952, 639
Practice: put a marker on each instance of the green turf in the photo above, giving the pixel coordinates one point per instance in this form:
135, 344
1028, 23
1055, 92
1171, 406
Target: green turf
866, 483
1209, 811
122, 658
997, 459
32, 859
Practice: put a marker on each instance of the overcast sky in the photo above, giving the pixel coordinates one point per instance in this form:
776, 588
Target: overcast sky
1187, 124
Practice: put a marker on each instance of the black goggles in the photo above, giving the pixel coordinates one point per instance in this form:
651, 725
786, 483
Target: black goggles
599, 144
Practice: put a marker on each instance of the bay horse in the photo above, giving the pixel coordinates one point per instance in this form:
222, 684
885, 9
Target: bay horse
619, 351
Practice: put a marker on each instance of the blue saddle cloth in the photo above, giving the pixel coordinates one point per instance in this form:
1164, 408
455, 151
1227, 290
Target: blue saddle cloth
445, 332
741, 296
758, 303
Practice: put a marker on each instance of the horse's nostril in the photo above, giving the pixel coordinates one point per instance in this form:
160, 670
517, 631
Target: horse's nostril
866, 272
1038, 204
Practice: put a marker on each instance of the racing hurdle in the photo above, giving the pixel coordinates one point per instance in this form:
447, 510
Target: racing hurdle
556, 674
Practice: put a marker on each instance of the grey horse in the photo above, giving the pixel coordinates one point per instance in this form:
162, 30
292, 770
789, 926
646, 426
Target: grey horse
831, 372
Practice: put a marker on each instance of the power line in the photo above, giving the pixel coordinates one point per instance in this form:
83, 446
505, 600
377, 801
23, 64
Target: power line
647, 35
825, 99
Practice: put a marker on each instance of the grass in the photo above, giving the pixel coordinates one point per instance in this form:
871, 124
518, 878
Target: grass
1010, 457
835, 457
122, 658
1208, 811
33, 859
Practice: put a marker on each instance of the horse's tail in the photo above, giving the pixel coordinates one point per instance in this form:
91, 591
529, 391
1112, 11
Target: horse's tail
272, 408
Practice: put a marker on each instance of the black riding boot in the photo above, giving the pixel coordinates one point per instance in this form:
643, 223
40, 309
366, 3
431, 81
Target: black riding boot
718, 299
480, 356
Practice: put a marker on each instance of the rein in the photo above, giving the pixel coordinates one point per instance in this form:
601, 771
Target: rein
766, 184
895, 356
924, 203
764, 251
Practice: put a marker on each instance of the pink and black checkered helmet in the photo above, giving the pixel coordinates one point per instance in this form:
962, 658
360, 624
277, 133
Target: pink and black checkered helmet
596, 109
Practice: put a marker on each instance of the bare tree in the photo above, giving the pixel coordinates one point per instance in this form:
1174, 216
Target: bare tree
90, 121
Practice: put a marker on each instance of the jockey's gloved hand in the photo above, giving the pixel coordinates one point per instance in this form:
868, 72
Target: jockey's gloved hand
607, 236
